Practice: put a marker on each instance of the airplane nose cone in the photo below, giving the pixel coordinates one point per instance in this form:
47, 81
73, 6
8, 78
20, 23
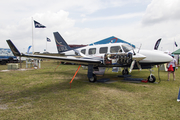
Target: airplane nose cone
155, 56
167, 57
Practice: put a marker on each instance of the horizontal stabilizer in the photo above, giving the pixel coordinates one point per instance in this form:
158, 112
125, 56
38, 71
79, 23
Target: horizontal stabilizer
71, 59
13, 48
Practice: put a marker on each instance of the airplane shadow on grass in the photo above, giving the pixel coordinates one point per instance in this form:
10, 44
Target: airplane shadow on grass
35, 92
57, 86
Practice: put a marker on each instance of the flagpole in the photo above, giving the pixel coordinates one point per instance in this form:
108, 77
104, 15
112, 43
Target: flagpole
32, 38
36, 25
46, 44
173, 44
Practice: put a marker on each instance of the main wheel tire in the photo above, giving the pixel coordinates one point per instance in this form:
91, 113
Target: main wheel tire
93, 78
125, 72
151, 79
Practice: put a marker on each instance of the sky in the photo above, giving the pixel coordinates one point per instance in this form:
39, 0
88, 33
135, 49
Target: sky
140, 22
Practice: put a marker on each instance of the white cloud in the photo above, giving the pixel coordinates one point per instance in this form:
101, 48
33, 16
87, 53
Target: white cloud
22, 32
65, 17
162, 19
124, 16
162, 10
59, 20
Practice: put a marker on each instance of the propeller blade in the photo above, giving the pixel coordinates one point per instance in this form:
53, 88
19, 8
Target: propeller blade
132, 65
139, 66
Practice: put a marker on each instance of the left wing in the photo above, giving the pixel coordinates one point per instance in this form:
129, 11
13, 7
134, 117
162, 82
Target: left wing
63, 59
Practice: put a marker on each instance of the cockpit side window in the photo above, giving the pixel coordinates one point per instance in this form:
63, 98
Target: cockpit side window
103, 50
126, 48
115, 49
83, 51
92, 51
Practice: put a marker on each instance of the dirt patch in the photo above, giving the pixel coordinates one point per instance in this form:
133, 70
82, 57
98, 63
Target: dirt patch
15, 70
3, 107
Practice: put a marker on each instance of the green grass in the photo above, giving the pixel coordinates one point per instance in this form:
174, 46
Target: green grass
45, 94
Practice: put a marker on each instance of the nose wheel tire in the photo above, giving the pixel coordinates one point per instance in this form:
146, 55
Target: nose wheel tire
151, 79
93, 78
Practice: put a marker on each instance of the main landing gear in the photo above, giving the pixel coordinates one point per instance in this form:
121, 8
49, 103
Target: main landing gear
125, 71
91, 76
93, 71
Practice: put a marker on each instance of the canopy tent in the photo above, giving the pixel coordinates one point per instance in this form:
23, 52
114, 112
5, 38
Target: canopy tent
176, 52
111, 40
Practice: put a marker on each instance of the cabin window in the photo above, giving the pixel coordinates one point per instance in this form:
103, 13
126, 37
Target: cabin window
115, 49
83, 51
92, 51
103, 50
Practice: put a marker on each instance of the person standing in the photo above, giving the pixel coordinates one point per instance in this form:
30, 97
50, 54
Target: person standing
172, 66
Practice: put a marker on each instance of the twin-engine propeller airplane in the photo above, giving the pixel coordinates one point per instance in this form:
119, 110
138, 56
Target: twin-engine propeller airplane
115, 55
102, 56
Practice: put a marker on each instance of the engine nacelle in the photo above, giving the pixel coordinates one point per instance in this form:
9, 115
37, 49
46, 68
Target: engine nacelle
118, 59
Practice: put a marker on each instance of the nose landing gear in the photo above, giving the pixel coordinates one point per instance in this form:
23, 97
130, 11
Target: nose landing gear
151, 78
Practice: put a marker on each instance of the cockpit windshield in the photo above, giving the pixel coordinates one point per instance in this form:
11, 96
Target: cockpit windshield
127, 48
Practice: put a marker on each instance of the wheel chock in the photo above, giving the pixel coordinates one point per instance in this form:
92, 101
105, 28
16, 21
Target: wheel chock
145, 81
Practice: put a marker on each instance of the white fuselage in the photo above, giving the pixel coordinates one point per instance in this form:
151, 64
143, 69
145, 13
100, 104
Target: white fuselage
146, 56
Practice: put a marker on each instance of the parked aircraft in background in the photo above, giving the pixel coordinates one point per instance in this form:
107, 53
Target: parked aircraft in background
102, 56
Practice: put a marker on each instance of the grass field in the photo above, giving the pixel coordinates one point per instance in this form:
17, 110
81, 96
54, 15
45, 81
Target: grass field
45, 94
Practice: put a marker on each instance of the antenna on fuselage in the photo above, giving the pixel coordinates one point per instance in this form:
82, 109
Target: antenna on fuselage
139, 48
